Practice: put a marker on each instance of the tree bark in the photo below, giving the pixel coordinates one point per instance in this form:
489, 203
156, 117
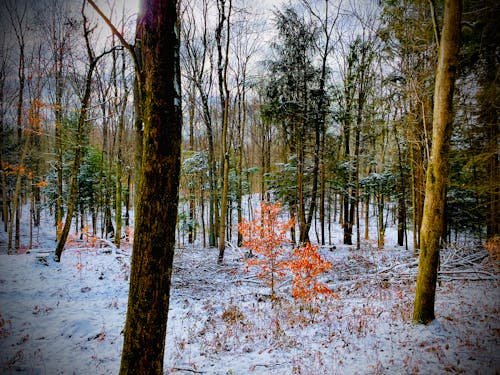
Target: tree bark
153, 251
119, 162
5, 212
437, 170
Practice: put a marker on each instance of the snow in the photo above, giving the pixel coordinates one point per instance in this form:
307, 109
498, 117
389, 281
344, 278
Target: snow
67, 317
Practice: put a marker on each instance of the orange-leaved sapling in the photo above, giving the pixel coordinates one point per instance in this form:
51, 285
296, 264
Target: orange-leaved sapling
266, 235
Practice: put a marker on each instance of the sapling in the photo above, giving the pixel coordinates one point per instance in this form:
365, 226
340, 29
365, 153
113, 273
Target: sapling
266, 235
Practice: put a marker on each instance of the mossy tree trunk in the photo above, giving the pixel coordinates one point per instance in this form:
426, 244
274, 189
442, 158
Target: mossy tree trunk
153, 251
119, 162
437, 170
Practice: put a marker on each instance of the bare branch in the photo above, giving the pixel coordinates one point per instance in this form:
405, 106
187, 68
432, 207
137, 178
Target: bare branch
120, 37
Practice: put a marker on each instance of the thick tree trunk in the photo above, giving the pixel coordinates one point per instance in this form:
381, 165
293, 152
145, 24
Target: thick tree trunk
153, 251
437, 170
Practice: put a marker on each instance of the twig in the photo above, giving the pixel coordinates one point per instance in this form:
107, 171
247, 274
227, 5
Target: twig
188, 370
269, 365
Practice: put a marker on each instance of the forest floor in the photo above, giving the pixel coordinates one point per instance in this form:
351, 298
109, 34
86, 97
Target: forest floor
67, 317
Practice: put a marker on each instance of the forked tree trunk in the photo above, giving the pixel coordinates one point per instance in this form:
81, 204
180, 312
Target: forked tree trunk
437, 170
153, 250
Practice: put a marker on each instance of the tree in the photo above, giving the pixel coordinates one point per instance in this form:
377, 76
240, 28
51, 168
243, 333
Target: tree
18, 22
197, 59
292, 94
61, 25
156, 207
80, 132
436, 178
409, 39
266, 235
5, 212
326, 26
222, 62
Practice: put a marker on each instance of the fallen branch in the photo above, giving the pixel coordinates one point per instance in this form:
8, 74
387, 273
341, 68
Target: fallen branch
398, 265
469, 271
188, 370
269, 365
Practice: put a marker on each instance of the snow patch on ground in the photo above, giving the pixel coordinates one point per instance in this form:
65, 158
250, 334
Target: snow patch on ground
67, 318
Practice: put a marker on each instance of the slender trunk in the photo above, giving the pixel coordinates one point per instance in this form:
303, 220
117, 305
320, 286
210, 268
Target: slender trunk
202, 208
356, 177
303, 228
32, 216
192, 203
76, 164
127, 200
437, 170
239, 170
315, 173
119, 162
19, 126
58, 140
381, 227
5, 208
346, 220
224, 95
367, 217
17, 198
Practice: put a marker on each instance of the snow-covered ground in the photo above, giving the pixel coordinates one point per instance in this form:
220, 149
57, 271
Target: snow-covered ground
67, 318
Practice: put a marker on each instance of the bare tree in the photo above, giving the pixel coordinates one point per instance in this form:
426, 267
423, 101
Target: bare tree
222, 64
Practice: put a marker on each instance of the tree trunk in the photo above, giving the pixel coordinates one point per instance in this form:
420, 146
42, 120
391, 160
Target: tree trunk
239, 169
192, 202
17, 196
5, 212
224, 96
76, 165
153, 251
119, 162
437, 170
